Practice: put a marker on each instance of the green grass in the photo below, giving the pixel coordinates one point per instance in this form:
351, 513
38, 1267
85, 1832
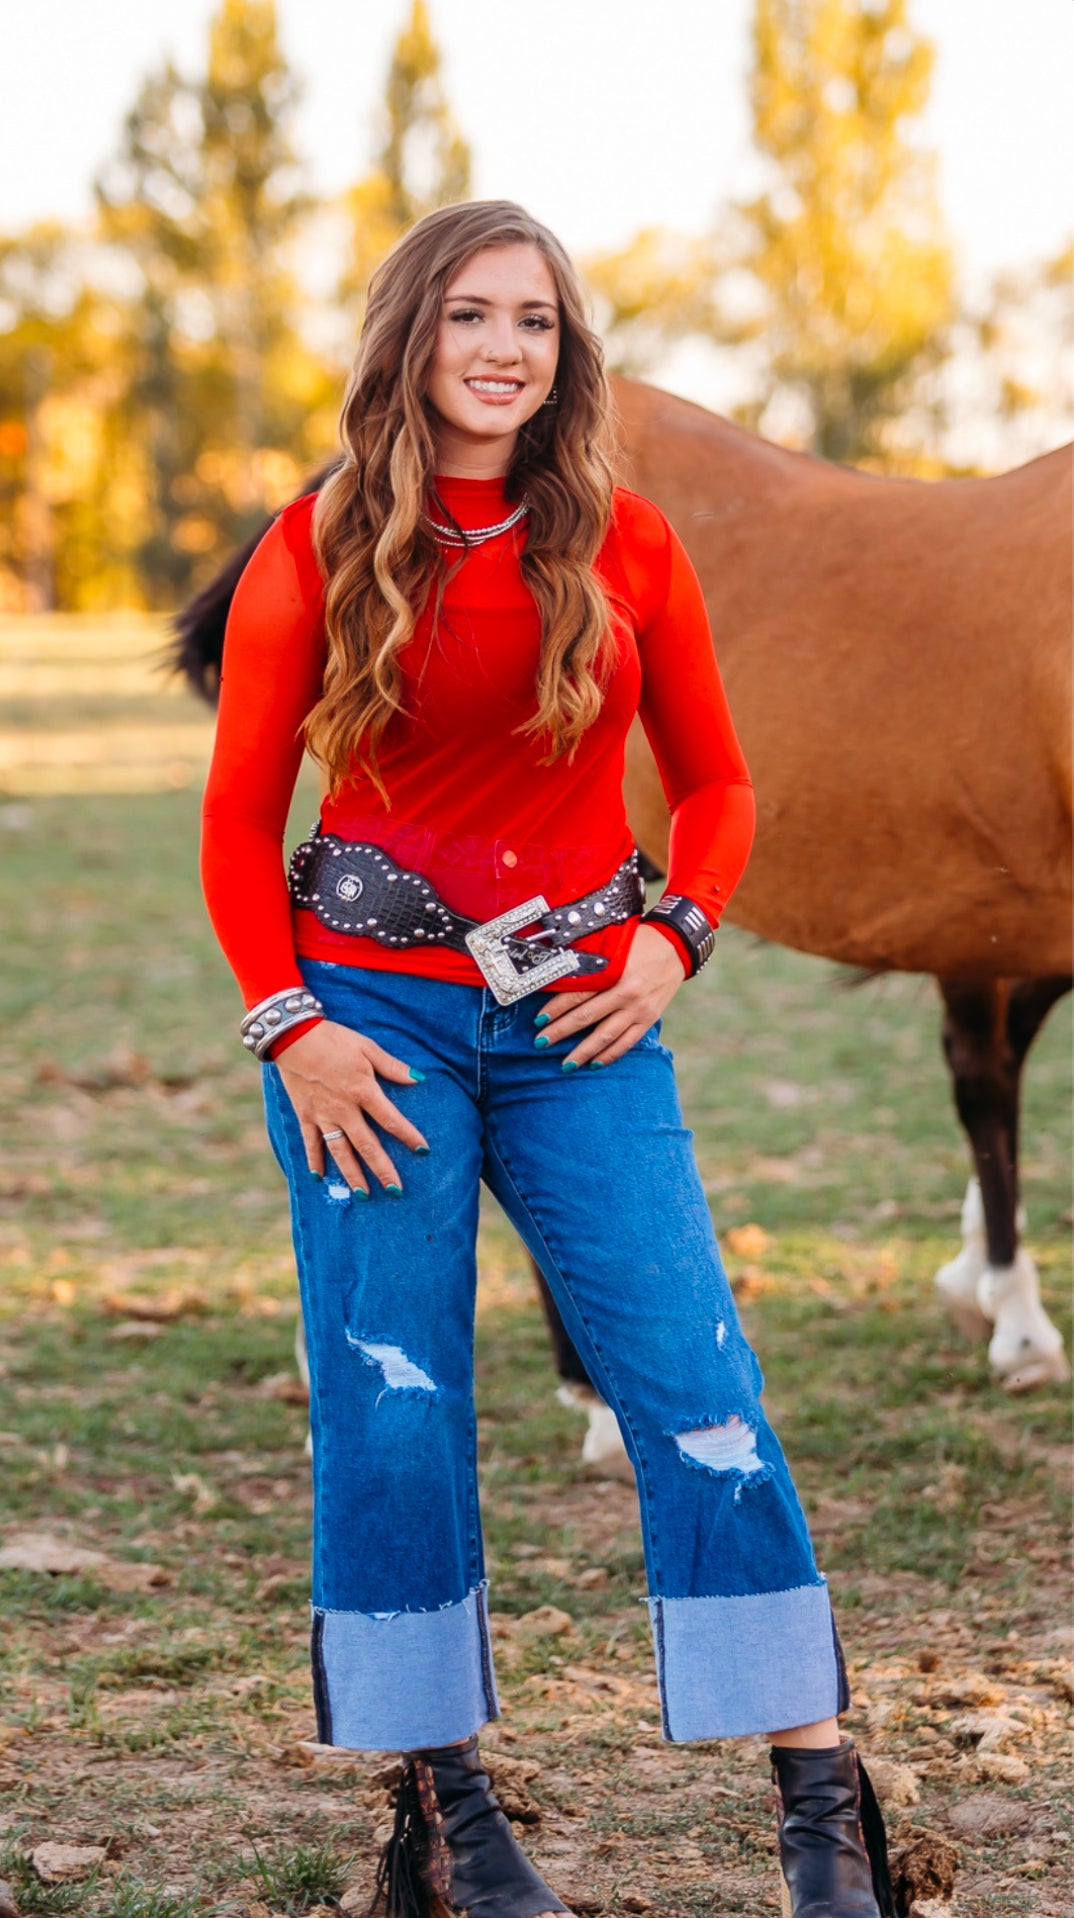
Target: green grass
135, 1163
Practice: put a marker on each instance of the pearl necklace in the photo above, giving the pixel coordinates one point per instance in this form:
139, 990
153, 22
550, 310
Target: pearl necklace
476, 535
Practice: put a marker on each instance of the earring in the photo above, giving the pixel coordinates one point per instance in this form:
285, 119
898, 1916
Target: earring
553, 398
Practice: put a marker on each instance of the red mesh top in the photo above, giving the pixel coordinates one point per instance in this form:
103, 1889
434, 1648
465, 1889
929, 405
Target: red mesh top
471, 807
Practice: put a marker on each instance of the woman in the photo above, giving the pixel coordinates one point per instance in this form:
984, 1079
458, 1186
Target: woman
461, 628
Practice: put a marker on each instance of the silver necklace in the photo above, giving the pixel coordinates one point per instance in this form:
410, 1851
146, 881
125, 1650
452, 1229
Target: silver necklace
476, 535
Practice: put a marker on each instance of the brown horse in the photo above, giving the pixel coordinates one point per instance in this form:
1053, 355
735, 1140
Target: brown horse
897, 661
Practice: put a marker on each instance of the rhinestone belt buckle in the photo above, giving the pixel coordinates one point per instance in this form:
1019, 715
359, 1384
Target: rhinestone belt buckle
486, 946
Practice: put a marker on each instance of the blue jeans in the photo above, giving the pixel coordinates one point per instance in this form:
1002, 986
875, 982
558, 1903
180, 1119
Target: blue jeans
595, 1169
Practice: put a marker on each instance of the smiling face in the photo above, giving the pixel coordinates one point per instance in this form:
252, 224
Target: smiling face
495, 358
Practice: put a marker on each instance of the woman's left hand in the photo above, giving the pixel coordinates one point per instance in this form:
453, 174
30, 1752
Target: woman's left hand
614, 1020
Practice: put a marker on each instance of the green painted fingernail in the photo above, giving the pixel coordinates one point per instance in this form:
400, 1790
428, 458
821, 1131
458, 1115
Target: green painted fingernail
359, 1192
570, 1065
543, 1019
594, 1063
318, 1175
421, 1151
396, 1191
415, 1074
542, 1039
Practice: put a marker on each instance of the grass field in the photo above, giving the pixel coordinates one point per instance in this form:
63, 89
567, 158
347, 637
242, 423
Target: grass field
154, 1702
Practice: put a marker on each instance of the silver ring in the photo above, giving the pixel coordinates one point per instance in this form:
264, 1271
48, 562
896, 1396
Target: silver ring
337, 1134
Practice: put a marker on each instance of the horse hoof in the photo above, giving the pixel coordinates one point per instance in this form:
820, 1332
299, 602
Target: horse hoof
1026, 1349
957, 1283
603, 1453
958, 1280
1035, 1370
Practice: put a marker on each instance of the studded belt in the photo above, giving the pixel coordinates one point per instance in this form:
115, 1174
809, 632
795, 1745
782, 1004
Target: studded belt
355, 888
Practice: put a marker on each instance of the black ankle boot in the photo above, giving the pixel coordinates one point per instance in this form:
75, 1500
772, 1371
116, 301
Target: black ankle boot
452, 1849
832, 1843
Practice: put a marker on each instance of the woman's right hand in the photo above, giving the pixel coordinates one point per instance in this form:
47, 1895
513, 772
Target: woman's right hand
331, 1078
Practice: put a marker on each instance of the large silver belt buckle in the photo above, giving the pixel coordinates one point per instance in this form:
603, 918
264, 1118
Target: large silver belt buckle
485, 943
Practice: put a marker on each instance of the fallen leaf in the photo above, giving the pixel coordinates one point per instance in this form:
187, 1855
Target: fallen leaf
132, 1575
973, 1689
547, 1621
285, 1387
1007, 1767
161, 1308
43, 1552
192, 1485
987, 1815
510, 1779
54, 1863
1063, 1684
988, 1731
750, 1240
896, 1785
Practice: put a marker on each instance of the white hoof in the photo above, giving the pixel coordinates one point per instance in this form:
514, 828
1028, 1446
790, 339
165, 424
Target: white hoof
603, 1453
1026, 1349
957, 1281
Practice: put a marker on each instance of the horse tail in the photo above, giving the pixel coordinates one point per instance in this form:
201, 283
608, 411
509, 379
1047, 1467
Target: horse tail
196, 646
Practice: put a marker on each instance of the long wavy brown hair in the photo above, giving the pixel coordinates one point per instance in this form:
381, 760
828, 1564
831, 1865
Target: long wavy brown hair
378, 560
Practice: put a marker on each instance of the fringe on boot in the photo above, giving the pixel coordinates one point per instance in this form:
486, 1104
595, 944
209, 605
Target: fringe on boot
412, 1874
874, 1832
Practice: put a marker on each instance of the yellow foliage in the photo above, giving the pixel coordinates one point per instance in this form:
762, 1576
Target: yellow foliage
845, 243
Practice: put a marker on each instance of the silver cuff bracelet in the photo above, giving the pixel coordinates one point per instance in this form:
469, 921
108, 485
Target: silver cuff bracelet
266, 1023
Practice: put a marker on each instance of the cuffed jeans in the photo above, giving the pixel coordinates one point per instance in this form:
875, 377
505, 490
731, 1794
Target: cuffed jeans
595, 1169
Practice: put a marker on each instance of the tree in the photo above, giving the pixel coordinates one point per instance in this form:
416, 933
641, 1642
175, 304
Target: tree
422, 161
658, 289
64, 481
835, 278
844, 245
1015, 355
203, 199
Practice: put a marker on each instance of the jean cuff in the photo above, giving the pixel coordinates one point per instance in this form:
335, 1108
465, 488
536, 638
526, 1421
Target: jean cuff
729, 1667
403, 1680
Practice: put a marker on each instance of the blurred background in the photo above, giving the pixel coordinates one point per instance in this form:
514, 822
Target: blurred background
844, 222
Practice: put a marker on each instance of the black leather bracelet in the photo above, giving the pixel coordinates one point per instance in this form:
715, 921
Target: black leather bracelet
688, 920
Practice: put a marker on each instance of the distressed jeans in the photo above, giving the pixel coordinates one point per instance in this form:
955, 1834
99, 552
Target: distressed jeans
596, 1171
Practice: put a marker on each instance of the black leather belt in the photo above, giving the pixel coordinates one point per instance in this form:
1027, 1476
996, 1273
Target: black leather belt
355, 888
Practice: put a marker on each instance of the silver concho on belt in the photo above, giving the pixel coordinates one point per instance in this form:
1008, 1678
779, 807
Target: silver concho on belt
349, 887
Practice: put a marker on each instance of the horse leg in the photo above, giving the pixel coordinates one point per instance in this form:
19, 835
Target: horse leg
993, 1284
1026, 1349
603, 1451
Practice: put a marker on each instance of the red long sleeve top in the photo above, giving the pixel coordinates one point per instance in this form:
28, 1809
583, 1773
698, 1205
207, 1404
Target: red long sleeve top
472, 808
